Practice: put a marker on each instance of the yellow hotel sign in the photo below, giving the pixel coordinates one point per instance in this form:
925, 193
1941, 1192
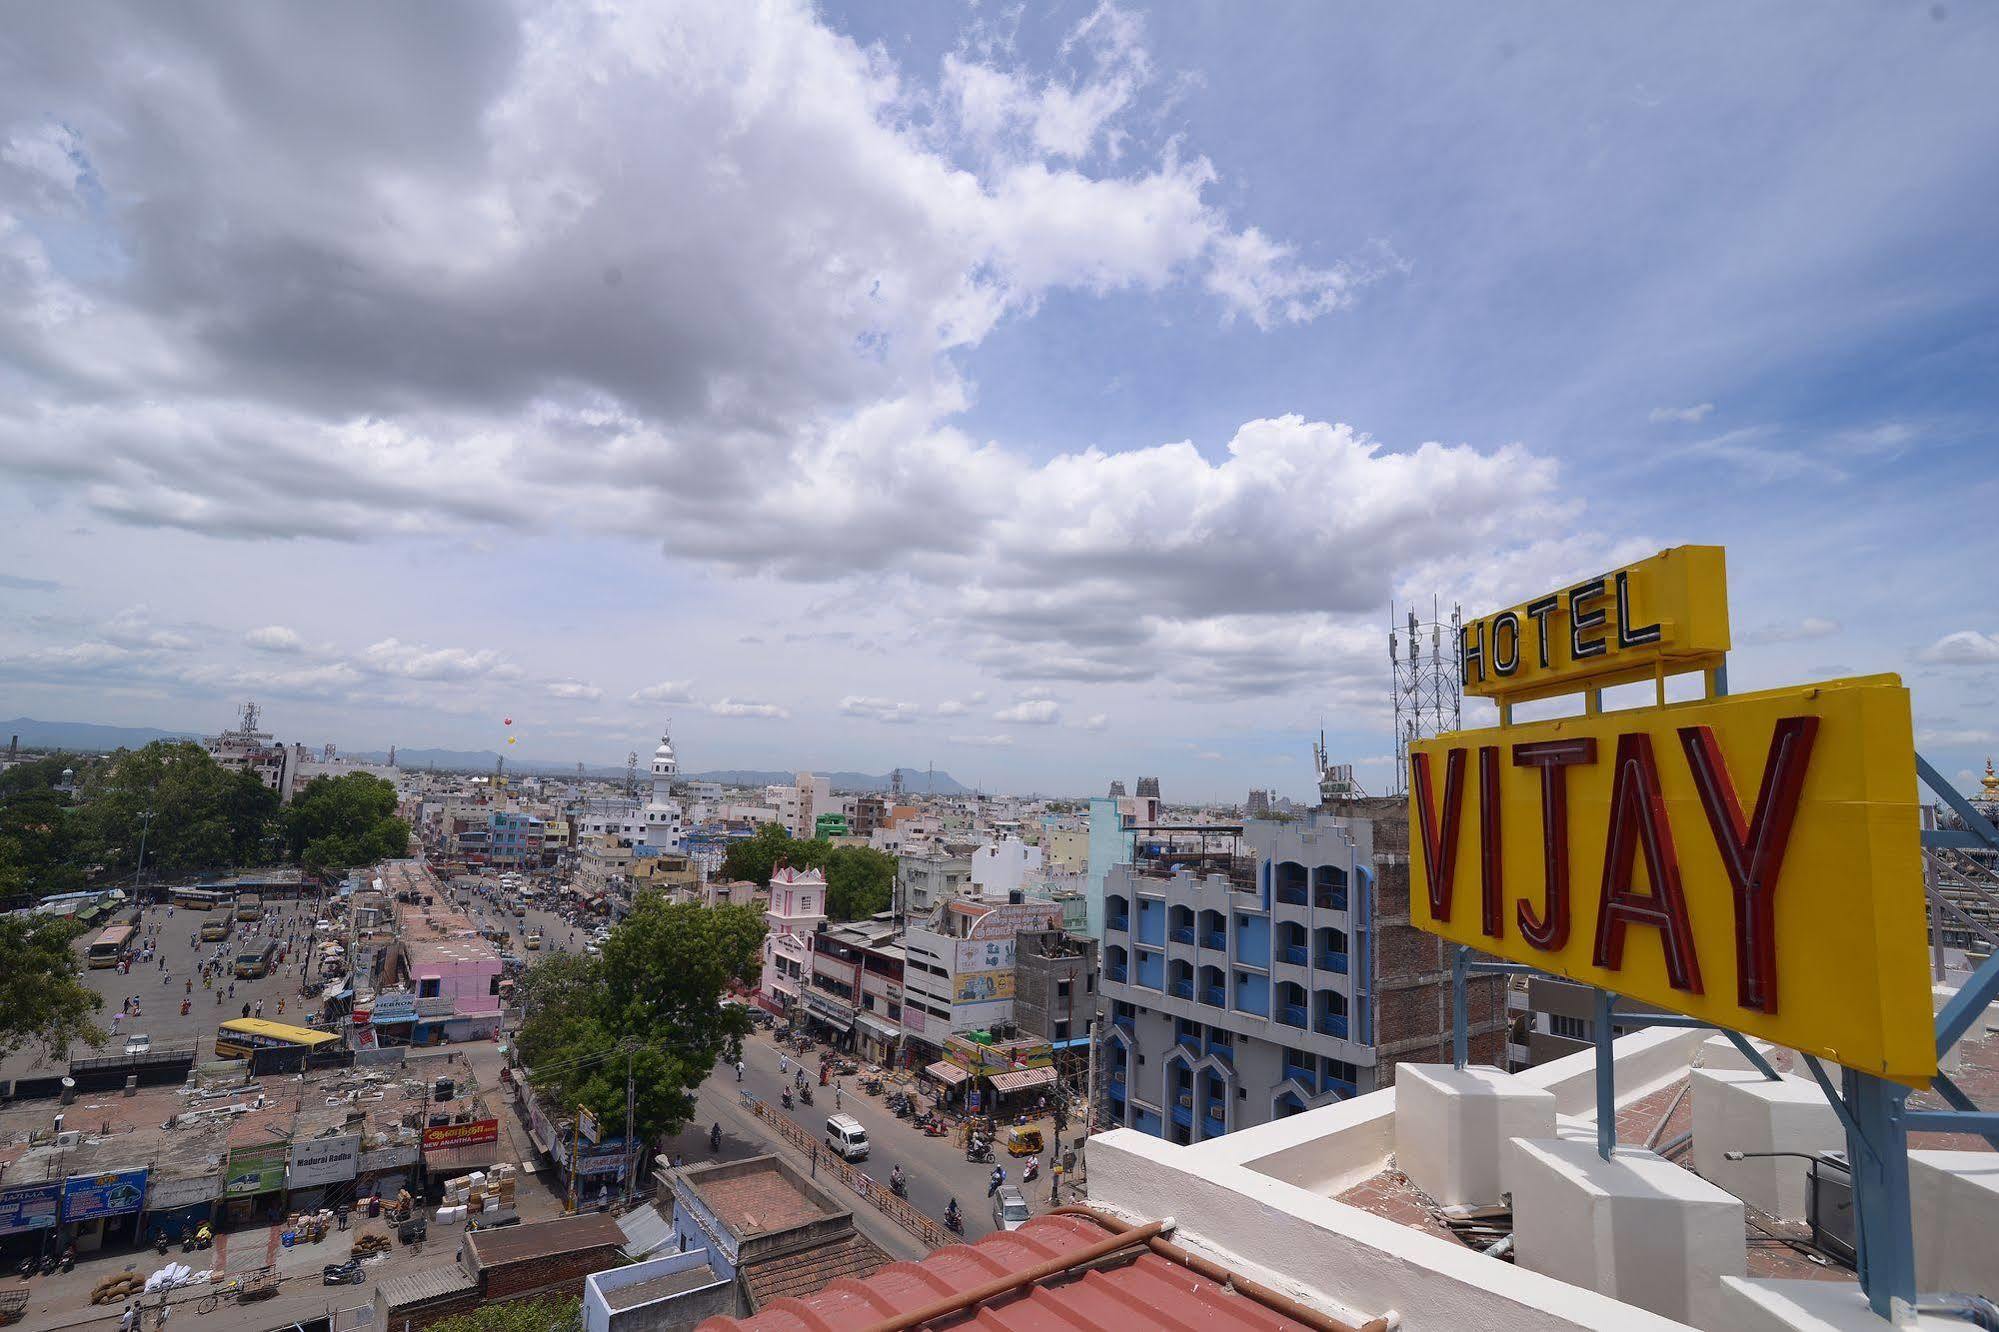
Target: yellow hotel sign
1666, 614
1752, 861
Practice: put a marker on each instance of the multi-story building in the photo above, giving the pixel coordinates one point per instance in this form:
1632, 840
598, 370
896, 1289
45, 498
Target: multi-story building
247, 749
797, 909
927, 878
513, 840
1055, 987
1004, 865
1258, 972
959, 971
856, 986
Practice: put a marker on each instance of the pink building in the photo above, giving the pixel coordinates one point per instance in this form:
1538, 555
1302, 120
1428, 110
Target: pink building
797, 909
452, 972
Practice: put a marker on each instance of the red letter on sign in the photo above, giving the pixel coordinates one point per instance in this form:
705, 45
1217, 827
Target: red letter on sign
1638, 815
1440, 842
1550, 927
1492, 911
1753, 853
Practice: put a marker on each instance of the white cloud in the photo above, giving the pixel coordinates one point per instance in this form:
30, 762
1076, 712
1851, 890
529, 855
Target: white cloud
1693, 415
983, 741
1031, 712
1798, 631
951, 707
1098, 721
417, 661
573, 689
666, 691
730, 707
275, 638
1966, 647
880, 709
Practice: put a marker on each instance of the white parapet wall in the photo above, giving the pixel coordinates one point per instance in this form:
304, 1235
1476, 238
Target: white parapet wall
1747, 1112
1762, 1304
1635, 1227
1334, 1257
1452, 1127
1954, 1200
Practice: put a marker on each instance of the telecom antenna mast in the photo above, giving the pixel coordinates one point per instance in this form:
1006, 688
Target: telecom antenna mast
1428, 692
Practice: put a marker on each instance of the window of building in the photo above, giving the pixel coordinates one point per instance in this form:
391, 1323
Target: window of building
427, 988
494, 986
1062, 989
1341, 1069
1573, 1028
1061, 1031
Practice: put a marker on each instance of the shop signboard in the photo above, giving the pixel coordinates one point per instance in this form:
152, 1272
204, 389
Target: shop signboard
472, 1133
1750, 860
387, 1158
30, 1207
1008, 919
259, 1169
984, 955
395, 1006
324, 1160
163, 1193
586, 1126
979, 987
113, 1193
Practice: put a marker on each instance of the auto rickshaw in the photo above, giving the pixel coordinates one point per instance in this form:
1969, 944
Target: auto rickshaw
1023, 1141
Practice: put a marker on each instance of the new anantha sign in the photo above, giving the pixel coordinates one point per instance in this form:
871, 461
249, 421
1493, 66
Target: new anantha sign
1753, 861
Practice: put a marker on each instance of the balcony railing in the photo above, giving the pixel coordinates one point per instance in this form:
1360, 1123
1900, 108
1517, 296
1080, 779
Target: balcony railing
1346, 1089
1223, 1051
1215, 995
1305, 1076
1116, 971
1125, 1020
1332, 1024
1121, 923
1183, 1114
1190, 1039
1295, 953
1181, 934
1333, 962
1291, 896
1215, 939
1292, 1015
1331, 899
1214, 1124
1181, 989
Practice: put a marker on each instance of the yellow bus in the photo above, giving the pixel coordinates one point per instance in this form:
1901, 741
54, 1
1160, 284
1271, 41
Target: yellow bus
257, 964
249, 906
239, 1038
215, 927
109, 946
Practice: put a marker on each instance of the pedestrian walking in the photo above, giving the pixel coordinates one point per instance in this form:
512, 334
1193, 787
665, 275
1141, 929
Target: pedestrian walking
165, 1310
125, 1320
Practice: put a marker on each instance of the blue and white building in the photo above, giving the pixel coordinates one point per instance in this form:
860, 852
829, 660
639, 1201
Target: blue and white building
1236, 973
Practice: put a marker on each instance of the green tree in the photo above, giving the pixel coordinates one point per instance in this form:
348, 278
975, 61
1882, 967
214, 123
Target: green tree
336, 823
534, 1315
859, 882
37, 841
43, 1000
654, 996
203, 815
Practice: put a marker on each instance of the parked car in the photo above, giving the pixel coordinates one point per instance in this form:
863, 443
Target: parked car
138, 1043
1009, 1208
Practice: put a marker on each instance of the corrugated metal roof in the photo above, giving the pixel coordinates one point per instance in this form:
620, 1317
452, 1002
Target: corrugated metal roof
645, 1230
947, 1073
1147, 1291
429, 1284
1022, 1079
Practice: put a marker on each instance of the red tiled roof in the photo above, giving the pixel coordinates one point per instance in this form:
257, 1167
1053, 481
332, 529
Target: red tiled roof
1146, 1291
807, 1271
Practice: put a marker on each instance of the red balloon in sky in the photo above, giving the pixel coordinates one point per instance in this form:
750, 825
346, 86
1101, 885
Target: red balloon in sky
508, 720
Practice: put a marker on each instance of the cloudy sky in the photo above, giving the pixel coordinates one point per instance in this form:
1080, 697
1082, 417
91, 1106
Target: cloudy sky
1052, 391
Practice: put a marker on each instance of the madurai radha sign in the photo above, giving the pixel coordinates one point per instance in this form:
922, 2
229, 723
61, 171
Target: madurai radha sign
1752, 861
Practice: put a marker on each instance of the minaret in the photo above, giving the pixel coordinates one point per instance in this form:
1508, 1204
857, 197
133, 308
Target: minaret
662, 814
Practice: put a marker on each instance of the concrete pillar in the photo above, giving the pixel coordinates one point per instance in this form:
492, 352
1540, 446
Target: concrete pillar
1954, 1200
1720, 1052
1746, 1112
1636, 1227
1452, 1127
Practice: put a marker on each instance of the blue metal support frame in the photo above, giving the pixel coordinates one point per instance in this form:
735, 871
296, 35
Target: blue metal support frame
1606, 1077
1462, 966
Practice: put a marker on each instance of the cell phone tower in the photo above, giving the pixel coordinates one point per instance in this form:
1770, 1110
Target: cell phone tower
1423, 657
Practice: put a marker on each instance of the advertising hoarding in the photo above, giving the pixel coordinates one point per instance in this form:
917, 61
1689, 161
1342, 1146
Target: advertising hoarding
259, 1169
469, 1134
30, 1207
112, 1193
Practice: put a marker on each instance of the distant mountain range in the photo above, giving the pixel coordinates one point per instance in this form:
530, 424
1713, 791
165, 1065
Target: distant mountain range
91, 737
85, 735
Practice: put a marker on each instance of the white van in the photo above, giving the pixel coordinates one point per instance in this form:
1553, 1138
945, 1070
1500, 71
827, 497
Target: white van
847, 1138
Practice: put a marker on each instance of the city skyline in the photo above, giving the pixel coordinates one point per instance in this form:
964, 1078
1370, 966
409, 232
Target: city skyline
1055, 396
